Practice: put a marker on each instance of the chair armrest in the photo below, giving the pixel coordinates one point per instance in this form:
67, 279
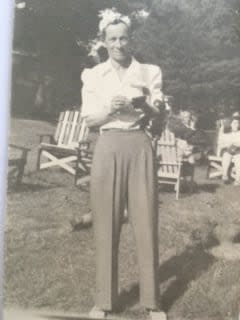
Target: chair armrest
19, 147
84, 144
23, 149
83, 149
46, 135
178, 163
209, 152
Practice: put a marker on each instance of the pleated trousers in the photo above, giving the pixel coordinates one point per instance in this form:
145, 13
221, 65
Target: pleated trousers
123, 174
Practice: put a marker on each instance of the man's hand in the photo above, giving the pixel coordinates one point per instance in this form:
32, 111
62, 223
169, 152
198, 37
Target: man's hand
121, 103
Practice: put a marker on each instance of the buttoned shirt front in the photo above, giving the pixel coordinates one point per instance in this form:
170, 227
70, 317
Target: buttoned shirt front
101, 84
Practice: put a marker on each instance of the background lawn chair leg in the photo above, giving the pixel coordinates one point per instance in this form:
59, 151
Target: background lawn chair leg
39, 158
208, 171
177, 189
18, 163
20, 171
192, 184
77, 170
178, 181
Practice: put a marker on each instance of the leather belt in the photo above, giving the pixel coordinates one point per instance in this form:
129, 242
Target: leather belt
119, 130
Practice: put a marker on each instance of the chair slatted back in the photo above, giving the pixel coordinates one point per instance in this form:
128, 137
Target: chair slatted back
81, 131
71, 129
59, 126
167, 154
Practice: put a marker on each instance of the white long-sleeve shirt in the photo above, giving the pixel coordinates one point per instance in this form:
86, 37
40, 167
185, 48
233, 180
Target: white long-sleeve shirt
228, 139
101, 84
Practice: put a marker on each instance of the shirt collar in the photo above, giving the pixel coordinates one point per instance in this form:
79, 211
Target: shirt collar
134, 67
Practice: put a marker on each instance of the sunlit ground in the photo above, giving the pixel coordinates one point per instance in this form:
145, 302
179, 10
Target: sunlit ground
49, 268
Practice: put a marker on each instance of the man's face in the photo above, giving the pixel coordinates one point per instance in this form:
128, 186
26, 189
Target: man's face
185, 116
117, 42
235, 125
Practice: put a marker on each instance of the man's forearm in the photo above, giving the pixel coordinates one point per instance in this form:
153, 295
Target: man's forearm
98, 119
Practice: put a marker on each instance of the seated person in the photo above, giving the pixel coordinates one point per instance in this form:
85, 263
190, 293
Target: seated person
230, 149
188, 118
185, 149
189, 139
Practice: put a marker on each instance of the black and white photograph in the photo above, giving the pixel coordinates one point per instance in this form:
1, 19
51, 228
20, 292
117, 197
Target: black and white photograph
123, 167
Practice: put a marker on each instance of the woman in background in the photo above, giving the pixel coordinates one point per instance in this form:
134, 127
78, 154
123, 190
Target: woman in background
230, 145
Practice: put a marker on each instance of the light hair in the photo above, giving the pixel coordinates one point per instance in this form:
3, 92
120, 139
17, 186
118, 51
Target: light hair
111, 17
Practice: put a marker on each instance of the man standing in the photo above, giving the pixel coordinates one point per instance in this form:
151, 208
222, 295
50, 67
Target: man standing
123, 169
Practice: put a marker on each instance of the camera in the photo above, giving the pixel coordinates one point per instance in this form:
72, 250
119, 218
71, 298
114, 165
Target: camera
139, 102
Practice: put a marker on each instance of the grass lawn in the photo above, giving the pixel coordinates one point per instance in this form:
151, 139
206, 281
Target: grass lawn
49, 267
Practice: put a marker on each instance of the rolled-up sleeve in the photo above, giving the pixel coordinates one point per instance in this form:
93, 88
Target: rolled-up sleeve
155, 84
91, 102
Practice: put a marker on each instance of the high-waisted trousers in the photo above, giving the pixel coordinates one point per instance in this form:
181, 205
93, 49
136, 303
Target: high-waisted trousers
123, 175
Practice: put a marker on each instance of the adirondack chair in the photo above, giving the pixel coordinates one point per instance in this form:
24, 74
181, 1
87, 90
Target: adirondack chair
214, 169
62, 150
17, 159
171, 169
83, 163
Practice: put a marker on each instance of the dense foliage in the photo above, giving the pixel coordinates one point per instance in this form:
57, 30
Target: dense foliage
195, 44
194, 41
237, 19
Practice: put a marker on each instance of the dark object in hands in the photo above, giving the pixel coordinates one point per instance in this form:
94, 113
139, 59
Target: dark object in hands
139, 102
152, 122
160, 104
233, 149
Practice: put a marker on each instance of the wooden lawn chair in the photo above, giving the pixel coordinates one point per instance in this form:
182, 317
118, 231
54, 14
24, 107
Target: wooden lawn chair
62, 150
17, 159
83, 163
171, 169
214, 169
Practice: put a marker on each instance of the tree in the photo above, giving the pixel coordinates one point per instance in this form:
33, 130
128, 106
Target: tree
57, 31
192, 41
237, 19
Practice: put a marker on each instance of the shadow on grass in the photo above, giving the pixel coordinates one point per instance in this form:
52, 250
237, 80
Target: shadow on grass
30, 187
84, 187
188, 190
199, 187
183, 268
208, 187
236, 239
55, 317
65, 317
